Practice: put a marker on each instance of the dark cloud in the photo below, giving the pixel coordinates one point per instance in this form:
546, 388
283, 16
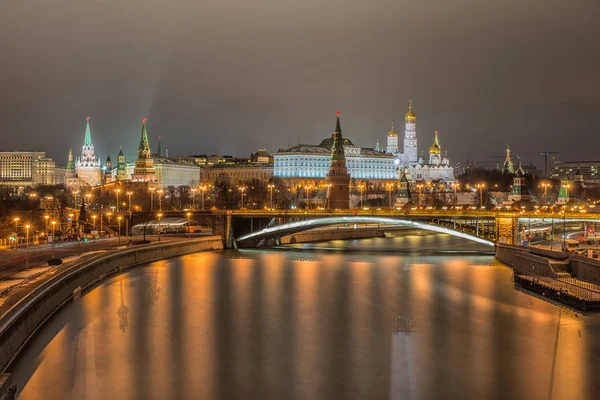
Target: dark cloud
231, 77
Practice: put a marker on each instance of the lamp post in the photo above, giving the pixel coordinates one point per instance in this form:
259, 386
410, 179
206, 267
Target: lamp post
27, 245
564, 211
16, 219
361, 188
242, 189
193, 198
480, 186
94, 223
545, 185
129, 193
117, 191
271, 186
89, 199
189, 227
419, 187
455, 185
159, 215
46, 217
389, 186
160, 192
306, 190
53, 238
119, 218
329, 185
152, 198
75, 198
202, 190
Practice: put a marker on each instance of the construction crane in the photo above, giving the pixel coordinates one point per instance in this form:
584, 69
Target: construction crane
545, 154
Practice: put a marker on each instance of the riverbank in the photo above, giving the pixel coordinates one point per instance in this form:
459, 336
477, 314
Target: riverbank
26, 309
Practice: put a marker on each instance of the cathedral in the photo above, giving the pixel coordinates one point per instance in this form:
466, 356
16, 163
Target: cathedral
417, 168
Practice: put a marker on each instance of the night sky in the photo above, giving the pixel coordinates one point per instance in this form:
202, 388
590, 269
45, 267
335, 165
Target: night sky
230, 77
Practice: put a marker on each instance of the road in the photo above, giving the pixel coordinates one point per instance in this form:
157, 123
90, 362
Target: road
15, 261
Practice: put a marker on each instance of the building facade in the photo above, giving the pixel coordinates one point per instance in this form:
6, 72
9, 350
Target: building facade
237, 173
589, 170
20, 169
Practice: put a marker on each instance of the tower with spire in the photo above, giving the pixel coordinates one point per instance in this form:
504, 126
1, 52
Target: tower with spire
410, 137
392, 141
108, 167
121, 167
338, 179
144, 165
87, 165
508, 167
403, 195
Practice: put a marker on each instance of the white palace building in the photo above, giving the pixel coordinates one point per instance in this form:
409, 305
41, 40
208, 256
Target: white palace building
312, 161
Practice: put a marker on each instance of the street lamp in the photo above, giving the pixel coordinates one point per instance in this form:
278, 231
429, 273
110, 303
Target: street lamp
27, 244
189, 227
419, 187
159, 215
455, 185
193, 198
203, 188
152, 198
46, 217
306, 190
545, 185
160, 192
117, 191
270, 186
242, 189
75, 197
361, 188
16, 219
389, 186
480, 186
53, 238
119, 218
129, 193
89, 197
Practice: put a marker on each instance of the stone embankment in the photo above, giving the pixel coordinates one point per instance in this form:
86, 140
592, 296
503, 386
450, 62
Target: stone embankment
22, 320
569, 278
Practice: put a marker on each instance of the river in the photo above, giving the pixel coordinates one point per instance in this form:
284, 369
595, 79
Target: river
315, 322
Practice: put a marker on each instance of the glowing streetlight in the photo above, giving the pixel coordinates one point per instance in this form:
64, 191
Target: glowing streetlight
193, 198
271, 187
53, 239
419, 186
117, 191
329, 186
160, 192
27, 245
119, 218
159, 216
480, 186
242, 189
151, 198
189, 227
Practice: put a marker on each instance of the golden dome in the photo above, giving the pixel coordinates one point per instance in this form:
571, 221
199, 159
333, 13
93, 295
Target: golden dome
392, 133
410, 115
435, 147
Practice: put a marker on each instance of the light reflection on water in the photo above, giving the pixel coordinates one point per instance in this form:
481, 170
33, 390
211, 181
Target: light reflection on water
312, 324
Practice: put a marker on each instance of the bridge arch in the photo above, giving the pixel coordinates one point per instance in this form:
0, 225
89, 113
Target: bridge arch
305, 225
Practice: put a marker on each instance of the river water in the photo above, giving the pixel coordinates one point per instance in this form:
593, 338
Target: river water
315, 322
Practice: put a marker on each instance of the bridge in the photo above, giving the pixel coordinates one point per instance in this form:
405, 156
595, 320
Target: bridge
250, 228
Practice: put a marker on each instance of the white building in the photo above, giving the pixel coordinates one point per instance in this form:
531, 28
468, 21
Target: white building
417, 169
310, 161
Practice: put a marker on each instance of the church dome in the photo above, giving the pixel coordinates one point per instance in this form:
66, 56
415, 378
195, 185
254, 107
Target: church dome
410, 115
435, 147
392, 133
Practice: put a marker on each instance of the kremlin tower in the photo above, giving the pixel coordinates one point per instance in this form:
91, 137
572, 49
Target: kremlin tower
338, 179
87, 165
144, 165
121, 167
410, 137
